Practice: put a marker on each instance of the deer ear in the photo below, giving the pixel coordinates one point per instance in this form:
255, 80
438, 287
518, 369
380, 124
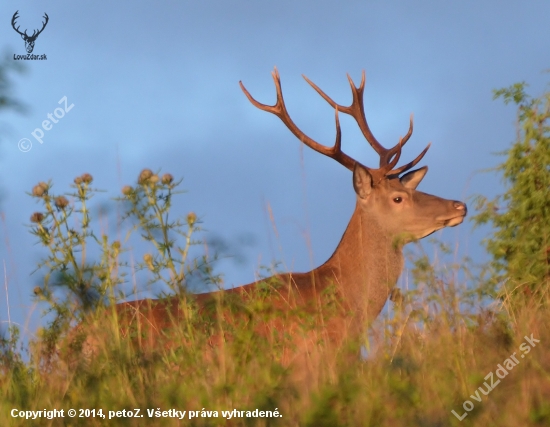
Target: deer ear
362, 181
412, 179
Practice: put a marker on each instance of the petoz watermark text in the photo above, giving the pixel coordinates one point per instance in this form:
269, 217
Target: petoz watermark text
25, 144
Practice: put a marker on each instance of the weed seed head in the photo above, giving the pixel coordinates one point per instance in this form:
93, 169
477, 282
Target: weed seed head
61, 202
144, 176
127, 190
40, 189
37, 217
167, 178
191, 218
87, 178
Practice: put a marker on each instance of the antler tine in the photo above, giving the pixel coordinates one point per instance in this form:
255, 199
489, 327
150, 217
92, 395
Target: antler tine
391, 152
410, 131
397, 156
357, 111
391, 164
410, 165
279, 109
338, 141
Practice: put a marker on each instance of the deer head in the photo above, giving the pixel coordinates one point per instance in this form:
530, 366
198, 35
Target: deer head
29, 40
381, 191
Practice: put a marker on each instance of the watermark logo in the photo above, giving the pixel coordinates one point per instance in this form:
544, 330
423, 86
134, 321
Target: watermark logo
25, 144
29, 40
501, 372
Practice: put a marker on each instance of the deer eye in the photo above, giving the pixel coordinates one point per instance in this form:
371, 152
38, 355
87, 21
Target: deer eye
398, 199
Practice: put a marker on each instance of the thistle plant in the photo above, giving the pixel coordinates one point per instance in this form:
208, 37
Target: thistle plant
75, 285
148, 205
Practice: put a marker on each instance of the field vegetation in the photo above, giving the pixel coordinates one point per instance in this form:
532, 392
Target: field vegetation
461, 344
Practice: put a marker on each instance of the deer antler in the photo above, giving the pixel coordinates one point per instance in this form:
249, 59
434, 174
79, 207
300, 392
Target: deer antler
43, 25
357, 110
34, 33
388, 157
279, 109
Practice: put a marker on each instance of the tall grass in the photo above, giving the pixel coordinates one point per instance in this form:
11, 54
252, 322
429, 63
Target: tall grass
436, 350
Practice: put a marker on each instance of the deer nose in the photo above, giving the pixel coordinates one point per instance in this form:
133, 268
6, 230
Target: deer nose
460, 206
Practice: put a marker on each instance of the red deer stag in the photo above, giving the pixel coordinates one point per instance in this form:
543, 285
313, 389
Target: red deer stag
368, 260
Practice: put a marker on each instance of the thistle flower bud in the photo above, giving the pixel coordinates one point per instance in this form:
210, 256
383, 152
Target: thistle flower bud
40, 189
61, 202
191, 218
37, 217
144, 176
167, 178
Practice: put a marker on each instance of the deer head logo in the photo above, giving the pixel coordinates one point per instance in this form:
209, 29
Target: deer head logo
29, 40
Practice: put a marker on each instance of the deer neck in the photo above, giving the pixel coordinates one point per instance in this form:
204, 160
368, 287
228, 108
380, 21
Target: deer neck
365, 266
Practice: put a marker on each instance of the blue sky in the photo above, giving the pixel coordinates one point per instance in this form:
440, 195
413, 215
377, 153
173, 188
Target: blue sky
156, 85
